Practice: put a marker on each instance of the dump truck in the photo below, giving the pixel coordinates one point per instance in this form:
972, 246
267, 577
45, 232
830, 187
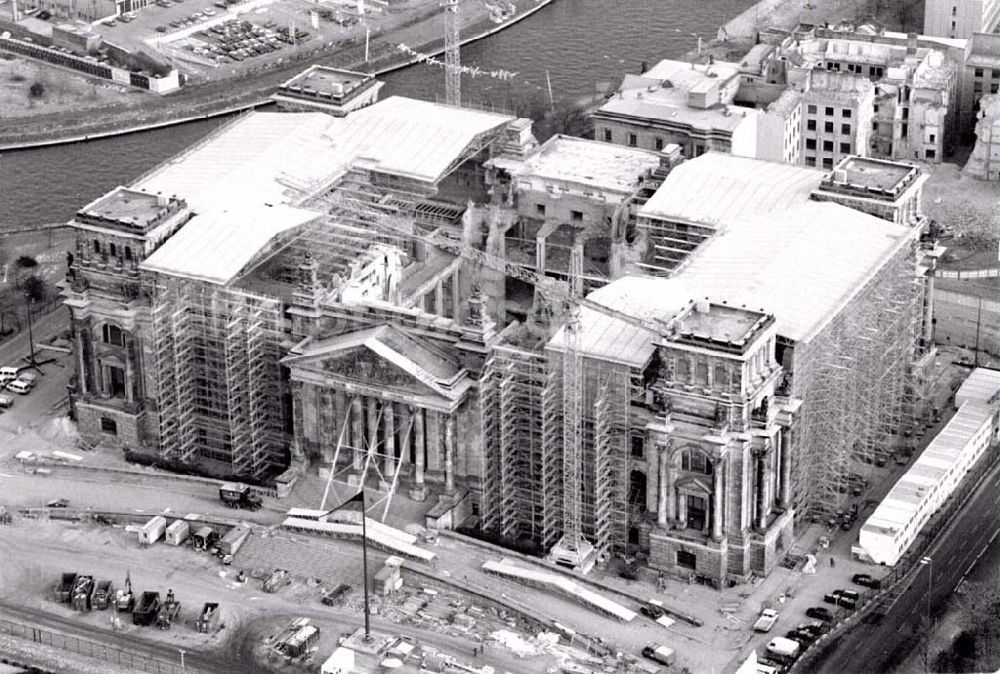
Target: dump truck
124, 598
239, 495
208, 621
82, 591
169, 609
232, 541
278, 579
64, 590
146, 609
104, 592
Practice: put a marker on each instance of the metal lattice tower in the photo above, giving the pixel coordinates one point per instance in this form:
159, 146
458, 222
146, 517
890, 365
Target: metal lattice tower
452, 58
572, 417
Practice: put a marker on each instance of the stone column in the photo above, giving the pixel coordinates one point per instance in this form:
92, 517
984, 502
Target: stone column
389, 431
671, 492
357, 433
652, 474
717, 500
785, 498
129, 371
324, 423
404, 413
81, 362
682, 511
449, 455
418, 492
456, 298
341, 424
371, 438
663, 489
439, 299
760, 521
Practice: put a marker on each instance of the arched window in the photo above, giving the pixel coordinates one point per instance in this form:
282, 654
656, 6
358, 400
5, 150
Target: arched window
695, 461
128, 252
97, 246
111, 248
113, 335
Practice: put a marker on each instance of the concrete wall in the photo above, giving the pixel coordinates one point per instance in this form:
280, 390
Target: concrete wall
956, 312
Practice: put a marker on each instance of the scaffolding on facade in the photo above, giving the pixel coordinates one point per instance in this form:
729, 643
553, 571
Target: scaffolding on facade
215, 355
857, 376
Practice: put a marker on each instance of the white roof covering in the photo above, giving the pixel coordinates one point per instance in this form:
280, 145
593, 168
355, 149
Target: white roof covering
981, 385
244, 162
802, 265
589, 162
921, 480
561, 584
716, 188
216, 246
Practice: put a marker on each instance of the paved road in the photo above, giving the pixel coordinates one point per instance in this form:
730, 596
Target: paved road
974, 531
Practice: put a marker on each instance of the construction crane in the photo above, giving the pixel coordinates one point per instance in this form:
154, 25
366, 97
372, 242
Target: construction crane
452, 57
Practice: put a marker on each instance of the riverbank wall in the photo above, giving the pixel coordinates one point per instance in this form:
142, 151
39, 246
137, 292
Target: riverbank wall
196, 109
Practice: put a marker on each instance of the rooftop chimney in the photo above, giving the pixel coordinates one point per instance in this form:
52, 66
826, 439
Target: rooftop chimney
701, 306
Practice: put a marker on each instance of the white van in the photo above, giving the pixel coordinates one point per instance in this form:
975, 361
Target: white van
19, 386
7, 374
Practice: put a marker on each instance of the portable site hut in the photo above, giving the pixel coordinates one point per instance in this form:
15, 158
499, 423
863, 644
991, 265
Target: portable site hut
177, 532
152, 531
341, 661
203, 537
232, 541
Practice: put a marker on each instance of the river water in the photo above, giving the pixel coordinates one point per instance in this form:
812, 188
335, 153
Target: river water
577, 44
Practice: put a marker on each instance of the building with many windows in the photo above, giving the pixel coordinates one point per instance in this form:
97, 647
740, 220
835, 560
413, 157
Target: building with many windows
837, 116
980, 77
686, 104
960, 18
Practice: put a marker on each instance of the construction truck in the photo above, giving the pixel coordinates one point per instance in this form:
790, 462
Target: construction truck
124, 598
208, 621
278, 579
238, 495
82, 591
64, 590
104, 592
168, 611
146, 609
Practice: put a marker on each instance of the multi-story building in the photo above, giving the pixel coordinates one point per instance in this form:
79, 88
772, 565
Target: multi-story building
837, 117
980, 77
779, 129
675, 102
960, 18
331, 90
888, 190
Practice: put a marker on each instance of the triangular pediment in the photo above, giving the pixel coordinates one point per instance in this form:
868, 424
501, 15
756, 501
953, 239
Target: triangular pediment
367, 367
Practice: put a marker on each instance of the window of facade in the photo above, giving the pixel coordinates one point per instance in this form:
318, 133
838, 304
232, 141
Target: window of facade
111, 250
109, 426
931, 154
827, 146
97, 246
540, 209
978, 72
116, 382
845, 148
828, 112
845, 129
697, 512
694, 461
699, 150
632, 140
701, 374
906, 129
811, 124
607, 135
576, 216
128, 252
977, 87
810, 161
828, 127
846, 113
638, 447
811, 109
827, 162
810, 143
659, 143
687, 559
683, 370
720, 378
933, 138
994, 86
113, 335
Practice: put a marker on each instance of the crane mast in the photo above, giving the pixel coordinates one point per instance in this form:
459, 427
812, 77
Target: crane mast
452, 57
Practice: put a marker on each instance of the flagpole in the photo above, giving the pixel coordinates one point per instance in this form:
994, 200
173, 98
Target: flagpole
364, 557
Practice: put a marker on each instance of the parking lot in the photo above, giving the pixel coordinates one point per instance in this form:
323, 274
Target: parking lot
208, 39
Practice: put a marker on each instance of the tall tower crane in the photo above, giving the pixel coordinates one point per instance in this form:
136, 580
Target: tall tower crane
452, 57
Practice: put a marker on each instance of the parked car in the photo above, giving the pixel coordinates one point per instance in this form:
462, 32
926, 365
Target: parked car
652, 611
820, 613
58, 503
19, 386
804, 637
6, 400
766, 620
866, 580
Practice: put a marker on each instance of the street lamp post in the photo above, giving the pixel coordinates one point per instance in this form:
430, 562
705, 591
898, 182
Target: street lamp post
929, 563
183, 667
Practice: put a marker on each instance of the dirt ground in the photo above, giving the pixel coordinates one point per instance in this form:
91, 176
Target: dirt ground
64, 90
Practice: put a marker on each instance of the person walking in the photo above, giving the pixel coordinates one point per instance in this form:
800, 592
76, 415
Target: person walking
832, 563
